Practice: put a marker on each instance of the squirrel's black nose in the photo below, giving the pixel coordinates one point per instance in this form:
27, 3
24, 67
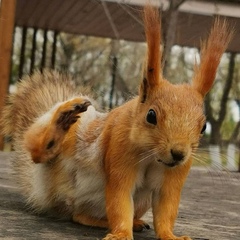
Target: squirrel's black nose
177, 155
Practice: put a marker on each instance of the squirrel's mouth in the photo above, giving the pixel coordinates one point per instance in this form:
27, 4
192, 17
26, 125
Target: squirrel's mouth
171, 164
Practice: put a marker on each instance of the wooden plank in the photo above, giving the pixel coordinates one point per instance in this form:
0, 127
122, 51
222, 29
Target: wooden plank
7, 19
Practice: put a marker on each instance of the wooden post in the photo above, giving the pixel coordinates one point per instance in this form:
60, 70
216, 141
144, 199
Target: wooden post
7, 19
239, 159
44, 49
33, 50
238, 134
54, 49
169, 21
114, 70
22, 53
113, 57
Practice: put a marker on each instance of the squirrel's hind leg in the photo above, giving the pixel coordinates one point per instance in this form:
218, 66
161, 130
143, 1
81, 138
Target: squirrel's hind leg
90, 221
139, 225
44, 139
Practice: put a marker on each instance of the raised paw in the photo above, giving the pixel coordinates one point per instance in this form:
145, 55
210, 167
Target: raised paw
118, 236
68, 112
139, 225
50, 134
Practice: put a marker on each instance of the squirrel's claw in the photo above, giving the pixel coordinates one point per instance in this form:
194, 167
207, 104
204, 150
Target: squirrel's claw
70, 116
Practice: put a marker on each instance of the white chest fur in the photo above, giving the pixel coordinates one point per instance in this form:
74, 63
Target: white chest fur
90, 189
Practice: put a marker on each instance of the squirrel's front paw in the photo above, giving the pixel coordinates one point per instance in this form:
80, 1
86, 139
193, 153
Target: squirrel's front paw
67, 113
118, 236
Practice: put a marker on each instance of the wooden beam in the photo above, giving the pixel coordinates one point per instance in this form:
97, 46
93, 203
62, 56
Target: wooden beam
7, 19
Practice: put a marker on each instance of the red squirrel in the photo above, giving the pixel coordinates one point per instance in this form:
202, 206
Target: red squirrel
108, 169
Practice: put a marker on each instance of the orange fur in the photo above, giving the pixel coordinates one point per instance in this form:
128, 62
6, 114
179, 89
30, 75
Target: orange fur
108, 169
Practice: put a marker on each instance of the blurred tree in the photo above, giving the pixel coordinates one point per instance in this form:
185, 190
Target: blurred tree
235, 137
169, 25
216, 118
89, 59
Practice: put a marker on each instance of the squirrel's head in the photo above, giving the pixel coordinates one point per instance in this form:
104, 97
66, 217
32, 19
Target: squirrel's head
171, 117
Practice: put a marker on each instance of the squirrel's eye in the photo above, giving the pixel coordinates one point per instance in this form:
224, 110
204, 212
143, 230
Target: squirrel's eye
151, 117
204, 128
50, 144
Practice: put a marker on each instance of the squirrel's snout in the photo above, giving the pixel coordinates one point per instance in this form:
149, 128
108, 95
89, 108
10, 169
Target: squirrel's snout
177, 155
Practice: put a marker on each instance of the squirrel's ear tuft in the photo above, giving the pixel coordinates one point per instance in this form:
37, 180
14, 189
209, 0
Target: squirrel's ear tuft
211, 53
152, 70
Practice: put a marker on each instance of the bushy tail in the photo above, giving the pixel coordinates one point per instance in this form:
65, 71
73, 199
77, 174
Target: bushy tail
35, 95
6, 120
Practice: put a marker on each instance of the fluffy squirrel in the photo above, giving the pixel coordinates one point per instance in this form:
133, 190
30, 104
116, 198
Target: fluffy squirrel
108, 169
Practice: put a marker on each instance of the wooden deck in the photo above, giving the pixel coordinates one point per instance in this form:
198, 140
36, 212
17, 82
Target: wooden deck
209, 210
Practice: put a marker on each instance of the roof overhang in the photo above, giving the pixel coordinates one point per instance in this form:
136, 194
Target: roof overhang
121, 19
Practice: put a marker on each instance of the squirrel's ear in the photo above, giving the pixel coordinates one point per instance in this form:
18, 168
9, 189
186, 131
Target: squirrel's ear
211, 53
152, 70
